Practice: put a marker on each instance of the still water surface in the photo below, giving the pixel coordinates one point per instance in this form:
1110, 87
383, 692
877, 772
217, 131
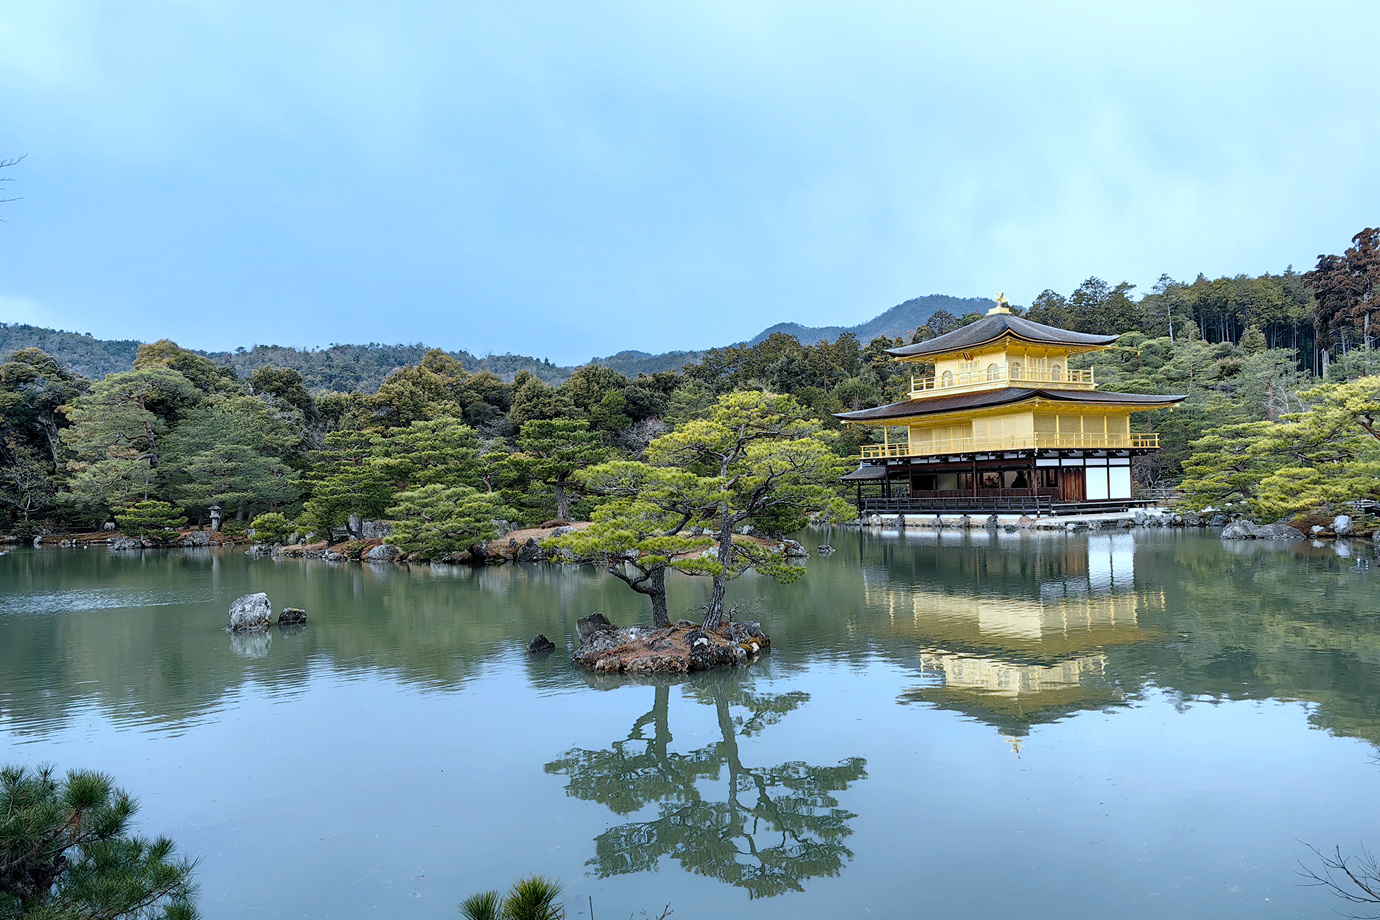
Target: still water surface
1024, 725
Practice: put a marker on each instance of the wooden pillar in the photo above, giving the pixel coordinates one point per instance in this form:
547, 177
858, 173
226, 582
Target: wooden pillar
1034, 490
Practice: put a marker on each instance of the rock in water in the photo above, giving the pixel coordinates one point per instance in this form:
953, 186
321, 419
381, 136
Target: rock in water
1341, 525
1243, 529
540, 645
530, 553
252, 611
292, 616
383, 553
824, 549
123, 543
588, 626
1278, 532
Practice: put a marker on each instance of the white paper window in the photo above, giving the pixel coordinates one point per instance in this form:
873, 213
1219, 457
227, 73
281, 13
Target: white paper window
1097, 483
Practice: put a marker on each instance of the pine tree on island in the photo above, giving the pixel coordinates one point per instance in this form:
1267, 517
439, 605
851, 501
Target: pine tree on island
753, 456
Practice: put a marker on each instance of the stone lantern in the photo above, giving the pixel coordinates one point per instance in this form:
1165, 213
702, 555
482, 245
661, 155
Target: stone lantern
215, 518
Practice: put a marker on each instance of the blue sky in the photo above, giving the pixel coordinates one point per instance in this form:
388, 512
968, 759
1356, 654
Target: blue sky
570, 180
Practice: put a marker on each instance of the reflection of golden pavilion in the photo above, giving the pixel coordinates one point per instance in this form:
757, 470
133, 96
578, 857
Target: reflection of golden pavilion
1014, 695
1022, 647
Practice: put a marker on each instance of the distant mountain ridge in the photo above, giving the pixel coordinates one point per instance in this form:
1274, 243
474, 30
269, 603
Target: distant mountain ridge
902, 320
364, 367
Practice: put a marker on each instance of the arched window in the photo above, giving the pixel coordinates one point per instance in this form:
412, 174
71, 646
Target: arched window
1056, 372
946, 379
1015, 371
993, 372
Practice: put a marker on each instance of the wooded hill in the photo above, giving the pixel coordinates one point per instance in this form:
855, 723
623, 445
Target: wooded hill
336, 368
347, 368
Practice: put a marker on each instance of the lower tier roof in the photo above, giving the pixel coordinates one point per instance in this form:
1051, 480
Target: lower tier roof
986, 399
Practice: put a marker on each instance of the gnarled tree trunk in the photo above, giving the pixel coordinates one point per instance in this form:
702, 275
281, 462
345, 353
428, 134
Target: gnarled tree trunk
714, 615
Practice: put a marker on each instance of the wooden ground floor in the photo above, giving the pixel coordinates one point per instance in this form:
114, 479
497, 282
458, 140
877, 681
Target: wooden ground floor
1030, 481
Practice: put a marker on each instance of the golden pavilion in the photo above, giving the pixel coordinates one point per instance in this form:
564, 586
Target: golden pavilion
1003, 425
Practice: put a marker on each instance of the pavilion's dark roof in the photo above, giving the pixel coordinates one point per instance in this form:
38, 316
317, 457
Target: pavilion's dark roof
866, 472
992, 327
985, 399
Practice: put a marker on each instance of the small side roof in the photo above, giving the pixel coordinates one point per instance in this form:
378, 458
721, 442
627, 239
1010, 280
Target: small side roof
985, 399
992, 327
866, 472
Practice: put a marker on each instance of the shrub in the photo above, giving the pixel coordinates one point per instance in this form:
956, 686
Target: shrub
233, 528
272, 528
351, 550
156, 521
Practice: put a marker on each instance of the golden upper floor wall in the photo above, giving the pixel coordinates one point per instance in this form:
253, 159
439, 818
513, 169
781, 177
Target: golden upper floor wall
1022, 426
1000, 350
1015, 364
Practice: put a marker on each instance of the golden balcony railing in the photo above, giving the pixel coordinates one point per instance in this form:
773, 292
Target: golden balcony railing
1002, 376
1149, 441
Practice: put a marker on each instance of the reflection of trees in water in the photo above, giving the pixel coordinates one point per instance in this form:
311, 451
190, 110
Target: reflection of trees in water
774, 828
1267, 621
139, 635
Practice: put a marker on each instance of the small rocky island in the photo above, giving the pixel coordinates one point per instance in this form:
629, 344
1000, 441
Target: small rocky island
676, 649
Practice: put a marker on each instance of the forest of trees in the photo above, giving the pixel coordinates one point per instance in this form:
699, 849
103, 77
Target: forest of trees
444, 448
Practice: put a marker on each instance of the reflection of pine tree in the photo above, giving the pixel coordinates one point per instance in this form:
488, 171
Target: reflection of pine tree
775, 828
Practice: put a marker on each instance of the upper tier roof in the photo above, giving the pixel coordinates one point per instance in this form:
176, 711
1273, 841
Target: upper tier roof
992, 327
986, 399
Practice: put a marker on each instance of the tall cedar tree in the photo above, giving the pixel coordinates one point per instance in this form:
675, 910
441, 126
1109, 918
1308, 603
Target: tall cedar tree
1347, 288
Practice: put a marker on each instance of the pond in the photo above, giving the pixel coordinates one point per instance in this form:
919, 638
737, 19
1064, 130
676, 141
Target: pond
1031, 725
